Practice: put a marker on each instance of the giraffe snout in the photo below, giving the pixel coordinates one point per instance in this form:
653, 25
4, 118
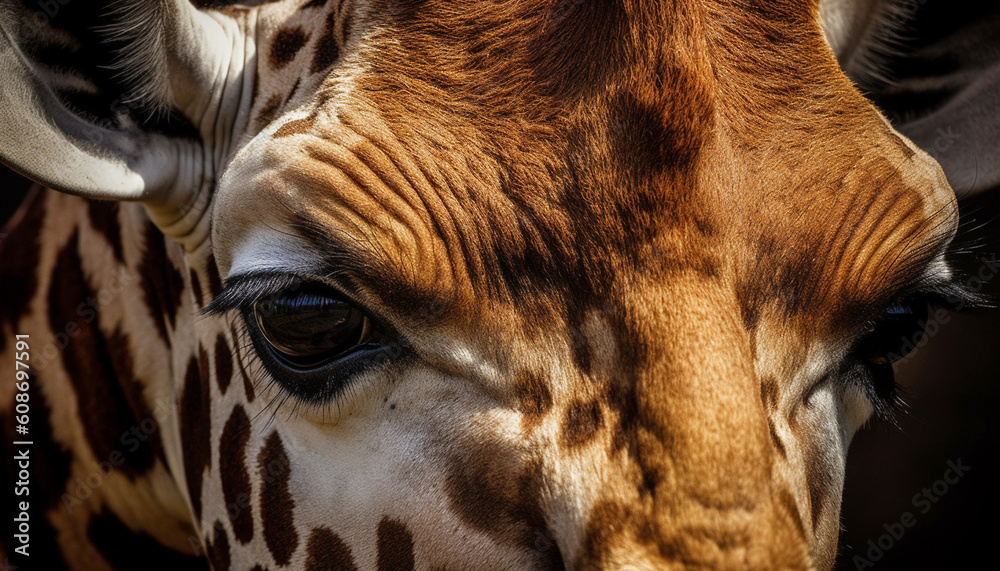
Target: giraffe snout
690, 475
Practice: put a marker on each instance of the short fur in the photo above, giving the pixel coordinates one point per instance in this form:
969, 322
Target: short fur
623, 249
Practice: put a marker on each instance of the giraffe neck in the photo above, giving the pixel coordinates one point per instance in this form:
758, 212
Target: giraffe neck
100, 293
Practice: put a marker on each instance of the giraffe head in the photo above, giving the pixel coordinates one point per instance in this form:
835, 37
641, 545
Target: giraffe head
594, 284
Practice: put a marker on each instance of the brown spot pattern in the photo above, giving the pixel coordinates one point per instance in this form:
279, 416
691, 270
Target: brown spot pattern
121, 362
276, 504
270, 109
294, 127
327, 48
582, 422
162, 283
247, 384
286, 45
100, 372
534, 398
214, 282
196, 288
104, 218
218, 548
195, 425
223, 363
395, 546
233, 472
493, 491
19, 271
325, 550
608, 522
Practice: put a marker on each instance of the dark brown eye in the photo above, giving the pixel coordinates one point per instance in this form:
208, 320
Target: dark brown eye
307, 329
896, 334
892, 339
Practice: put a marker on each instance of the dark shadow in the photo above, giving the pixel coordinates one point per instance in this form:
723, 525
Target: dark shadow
13, 189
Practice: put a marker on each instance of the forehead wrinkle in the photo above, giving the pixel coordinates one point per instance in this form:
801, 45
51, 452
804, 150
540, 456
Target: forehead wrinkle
366, 188
357, 184
380, 159
478, 196
435, 181
886, 212
893, 233
438, 188
339, 185
371, 269
857, 213
901, 247
847, 250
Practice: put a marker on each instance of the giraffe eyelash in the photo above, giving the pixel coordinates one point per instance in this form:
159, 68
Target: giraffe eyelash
938, 276
941, 286
245, 290
304, 342
956, 291
263, 383
268, 386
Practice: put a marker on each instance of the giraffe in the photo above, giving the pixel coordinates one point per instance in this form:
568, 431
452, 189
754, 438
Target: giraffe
405, 284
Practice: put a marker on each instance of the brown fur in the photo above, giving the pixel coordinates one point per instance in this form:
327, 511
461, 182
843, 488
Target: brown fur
327, 551
619, 176
642, 219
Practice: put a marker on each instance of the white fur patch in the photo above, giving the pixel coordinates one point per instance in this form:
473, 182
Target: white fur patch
270, 250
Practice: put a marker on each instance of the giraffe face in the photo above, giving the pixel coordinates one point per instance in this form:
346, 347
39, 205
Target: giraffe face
632, 320
599, 285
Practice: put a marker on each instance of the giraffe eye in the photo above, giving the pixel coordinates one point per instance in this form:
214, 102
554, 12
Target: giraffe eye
307, 329
896, 334
310, 340
890, 341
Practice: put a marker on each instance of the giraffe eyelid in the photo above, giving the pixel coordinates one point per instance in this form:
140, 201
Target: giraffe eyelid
244, 290
330, 378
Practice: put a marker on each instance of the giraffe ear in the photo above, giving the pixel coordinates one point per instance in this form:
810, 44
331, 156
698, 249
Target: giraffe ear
103, 101
932, 67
